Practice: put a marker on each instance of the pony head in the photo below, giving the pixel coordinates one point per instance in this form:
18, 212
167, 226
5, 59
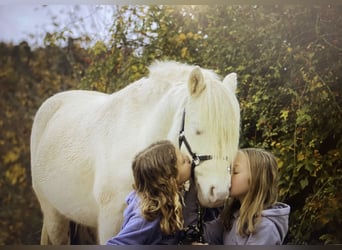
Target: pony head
211, 128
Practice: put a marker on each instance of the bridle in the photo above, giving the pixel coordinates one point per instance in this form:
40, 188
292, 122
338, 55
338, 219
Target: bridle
195, 230
196, 159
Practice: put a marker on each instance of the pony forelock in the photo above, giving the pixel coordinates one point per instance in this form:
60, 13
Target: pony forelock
221, 114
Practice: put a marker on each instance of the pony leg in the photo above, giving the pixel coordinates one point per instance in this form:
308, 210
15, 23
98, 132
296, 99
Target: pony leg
110, 221
108, 228
55, 228
44, 238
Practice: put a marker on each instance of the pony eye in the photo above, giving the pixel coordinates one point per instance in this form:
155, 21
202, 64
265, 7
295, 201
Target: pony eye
198, 132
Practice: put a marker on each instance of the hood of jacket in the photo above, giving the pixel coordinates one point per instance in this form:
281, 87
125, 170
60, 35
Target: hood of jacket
279, 215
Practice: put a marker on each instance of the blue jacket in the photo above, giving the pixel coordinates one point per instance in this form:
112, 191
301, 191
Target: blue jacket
136, 230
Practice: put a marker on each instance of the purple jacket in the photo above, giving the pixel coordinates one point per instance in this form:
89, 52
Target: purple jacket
136, 230
272, 229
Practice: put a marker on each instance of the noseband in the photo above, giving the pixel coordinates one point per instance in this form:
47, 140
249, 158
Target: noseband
196, 159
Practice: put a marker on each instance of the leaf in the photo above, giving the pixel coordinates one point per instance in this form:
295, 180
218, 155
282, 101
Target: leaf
184, 52
12, 155
16, 174
284, 114
300, 156
304, 182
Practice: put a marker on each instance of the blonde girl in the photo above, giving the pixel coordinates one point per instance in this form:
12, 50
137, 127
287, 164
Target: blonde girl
252, 215
154, 207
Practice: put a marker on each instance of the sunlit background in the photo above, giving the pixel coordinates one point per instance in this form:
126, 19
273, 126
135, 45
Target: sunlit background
30, 22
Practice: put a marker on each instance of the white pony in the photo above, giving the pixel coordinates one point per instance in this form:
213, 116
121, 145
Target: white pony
83, 143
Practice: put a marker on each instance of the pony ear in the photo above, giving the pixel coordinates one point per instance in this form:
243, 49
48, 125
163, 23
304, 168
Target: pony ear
196, 82
230, 81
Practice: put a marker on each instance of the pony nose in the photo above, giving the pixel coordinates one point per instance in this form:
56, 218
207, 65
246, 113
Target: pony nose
212, 195
216, 195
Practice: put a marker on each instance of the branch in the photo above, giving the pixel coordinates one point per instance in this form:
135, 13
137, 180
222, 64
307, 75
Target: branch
322, 36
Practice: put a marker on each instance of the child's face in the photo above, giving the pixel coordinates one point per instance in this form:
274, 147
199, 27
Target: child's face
240, 177
184, 167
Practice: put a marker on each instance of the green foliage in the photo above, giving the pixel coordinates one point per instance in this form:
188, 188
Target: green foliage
288, 60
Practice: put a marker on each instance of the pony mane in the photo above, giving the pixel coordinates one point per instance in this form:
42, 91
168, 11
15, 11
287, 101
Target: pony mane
176, 72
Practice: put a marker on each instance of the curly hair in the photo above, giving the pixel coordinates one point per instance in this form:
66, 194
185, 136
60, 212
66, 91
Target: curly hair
155, 181
262, 194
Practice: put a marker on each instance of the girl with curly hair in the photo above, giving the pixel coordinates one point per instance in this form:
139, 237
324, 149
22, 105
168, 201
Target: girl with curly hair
154, 207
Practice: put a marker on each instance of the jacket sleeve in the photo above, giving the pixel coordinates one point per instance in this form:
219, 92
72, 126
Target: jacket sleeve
137, 231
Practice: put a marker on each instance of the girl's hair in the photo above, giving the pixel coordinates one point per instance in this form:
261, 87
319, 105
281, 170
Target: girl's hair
262, 193
155, 181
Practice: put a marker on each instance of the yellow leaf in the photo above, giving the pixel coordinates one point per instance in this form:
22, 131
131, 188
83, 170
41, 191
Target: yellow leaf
182, 37
284, 114
134, 68
184, 52
300, 156
280, 163
12, 155
16, 174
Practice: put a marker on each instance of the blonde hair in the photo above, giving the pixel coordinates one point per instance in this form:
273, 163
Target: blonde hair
155, 181
262, 193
